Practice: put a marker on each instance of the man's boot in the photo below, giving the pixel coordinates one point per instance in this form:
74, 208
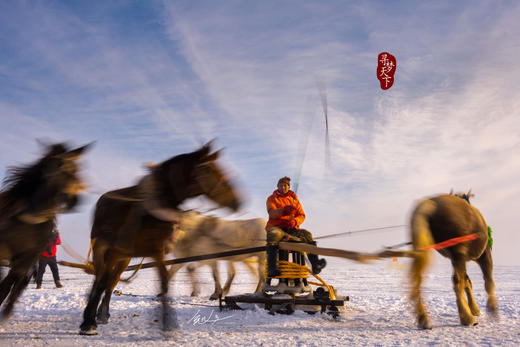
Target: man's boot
272, 254
58, 284
317, 264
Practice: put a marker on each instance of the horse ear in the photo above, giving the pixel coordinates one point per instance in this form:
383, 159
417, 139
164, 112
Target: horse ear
151, 166
78, 152
204, 151
43, 143
214, 156
207, 147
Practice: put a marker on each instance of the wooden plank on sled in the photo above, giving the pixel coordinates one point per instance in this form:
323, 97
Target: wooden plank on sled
331, 252
256, 299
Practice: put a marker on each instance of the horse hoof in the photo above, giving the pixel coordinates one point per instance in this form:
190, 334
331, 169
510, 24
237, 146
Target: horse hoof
102, 321
426, 326
214, 297
424, 322
88, 332
493, 313
469, 323
492, 309
170, 327
169, 323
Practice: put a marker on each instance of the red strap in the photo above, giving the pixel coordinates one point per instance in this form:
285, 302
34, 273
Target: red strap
450, 242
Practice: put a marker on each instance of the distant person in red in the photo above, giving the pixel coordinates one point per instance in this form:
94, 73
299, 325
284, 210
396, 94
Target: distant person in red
49, 258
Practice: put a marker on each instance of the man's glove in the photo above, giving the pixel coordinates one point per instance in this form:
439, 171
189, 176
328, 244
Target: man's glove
288, 210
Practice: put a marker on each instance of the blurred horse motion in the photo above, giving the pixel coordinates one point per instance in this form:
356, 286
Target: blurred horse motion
137, 221
31, 197
197, 234
439, 219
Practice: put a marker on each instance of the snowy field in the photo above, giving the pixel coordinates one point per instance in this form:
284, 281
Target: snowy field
377, 315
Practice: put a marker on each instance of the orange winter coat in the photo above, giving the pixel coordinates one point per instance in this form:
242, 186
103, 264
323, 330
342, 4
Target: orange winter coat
275, 204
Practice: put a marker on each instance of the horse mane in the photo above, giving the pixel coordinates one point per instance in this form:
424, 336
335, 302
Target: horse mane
171, 187
20, 181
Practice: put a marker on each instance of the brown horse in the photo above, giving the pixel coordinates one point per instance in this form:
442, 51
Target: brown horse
442, 218
31, 198
138, 221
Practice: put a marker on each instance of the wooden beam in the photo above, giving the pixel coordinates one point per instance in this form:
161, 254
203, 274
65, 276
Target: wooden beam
331, 252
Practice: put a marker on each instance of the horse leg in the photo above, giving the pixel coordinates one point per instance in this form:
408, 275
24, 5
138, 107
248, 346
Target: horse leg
5, 286
102, 264
486, 265
15, 283
20, 284
193, 279
173, 270
459, 284
419, 264
103, 313
169, 316
88, 326
230, 278
253, 272
256, 272
261, 272
471, 299
216, 277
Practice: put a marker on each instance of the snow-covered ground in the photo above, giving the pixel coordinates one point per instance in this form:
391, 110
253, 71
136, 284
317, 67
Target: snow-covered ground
378, 312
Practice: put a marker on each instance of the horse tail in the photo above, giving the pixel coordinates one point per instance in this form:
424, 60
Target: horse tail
421, 238
420, 226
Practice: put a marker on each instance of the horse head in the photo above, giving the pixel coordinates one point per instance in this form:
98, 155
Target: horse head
189, 175
35, 193
210, 180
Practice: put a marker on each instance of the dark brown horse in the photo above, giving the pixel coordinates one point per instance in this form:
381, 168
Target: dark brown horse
138, 221
30, 199
439, 219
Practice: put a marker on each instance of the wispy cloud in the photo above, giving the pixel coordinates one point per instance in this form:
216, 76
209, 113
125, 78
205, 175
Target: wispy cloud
148, 81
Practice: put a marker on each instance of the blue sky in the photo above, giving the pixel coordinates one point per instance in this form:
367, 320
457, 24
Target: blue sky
148, 79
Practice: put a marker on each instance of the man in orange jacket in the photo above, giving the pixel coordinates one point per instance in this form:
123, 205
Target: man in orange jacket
285, 217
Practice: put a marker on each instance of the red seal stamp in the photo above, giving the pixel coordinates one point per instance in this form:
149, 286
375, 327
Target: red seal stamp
386, 66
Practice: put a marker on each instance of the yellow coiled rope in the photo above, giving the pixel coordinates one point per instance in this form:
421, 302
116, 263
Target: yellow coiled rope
292, 270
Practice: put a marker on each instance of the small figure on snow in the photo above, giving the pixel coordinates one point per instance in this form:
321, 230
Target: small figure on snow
49, 258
